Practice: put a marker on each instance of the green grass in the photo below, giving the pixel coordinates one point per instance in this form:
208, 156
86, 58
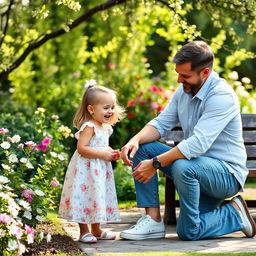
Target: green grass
182, 254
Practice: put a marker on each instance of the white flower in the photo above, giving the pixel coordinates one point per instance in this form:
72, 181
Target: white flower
39, 210
2, 232
12, 245
28, 215
90, 82
233, 75
42, 110
24, 204
4, 179
25, 2
5, 145
23, 160
29, 165
246, 80
6, 167
39, 192
13, 158
39, 218
30, 238
22, 249
48, 161
41, 236
48, 238
53, 154
61, 157
16, 138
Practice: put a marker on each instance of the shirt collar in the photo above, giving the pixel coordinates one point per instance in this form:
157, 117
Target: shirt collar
204, 89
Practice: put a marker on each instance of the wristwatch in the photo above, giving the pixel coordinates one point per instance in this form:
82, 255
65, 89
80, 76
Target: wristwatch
156, 163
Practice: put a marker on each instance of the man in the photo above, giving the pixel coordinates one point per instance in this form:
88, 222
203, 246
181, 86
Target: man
206, 167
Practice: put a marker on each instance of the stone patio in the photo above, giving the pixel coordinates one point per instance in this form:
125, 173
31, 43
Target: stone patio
235, 242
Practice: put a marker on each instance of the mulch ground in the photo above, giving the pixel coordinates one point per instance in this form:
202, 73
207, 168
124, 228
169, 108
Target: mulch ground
59, 243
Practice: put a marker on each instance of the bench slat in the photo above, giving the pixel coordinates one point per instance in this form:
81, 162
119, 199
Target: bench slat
249, 121
251, 152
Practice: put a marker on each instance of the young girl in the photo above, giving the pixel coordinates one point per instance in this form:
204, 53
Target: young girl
89, 194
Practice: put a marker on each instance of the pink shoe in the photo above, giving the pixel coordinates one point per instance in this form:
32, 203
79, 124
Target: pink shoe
88, 238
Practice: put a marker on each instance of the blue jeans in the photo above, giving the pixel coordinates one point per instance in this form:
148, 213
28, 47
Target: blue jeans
202, 184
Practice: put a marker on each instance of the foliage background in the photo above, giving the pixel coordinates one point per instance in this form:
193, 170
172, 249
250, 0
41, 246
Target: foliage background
127, 45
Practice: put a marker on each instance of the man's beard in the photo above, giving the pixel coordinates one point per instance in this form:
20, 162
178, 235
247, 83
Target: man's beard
192, 88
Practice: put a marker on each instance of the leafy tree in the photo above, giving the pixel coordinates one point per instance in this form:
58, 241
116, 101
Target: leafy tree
22, 33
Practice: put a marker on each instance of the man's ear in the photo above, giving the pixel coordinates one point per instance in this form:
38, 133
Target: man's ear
206, 72
90, 109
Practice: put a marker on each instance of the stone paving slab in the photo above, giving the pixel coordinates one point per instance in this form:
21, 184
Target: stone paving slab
235, 242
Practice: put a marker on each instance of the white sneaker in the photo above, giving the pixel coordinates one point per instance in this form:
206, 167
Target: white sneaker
145, 228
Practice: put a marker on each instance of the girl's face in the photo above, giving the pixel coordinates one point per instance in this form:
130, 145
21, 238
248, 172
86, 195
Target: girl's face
103, 111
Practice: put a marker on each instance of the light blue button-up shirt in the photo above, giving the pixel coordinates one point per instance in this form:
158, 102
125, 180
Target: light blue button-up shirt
211, 123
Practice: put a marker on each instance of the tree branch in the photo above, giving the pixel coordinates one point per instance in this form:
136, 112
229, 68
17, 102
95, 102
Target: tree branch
54, 34
7, 13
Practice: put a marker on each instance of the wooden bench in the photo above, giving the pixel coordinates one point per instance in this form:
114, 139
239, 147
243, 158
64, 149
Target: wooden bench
176, 135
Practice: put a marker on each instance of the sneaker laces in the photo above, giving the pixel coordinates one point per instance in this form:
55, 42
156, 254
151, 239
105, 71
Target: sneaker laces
140, 222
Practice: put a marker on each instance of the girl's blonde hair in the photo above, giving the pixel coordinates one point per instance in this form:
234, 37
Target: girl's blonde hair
91, 97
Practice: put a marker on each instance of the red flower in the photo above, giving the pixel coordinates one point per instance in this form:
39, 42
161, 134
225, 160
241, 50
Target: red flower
67, 203
130, 103
130, 115
110, 210
160, 108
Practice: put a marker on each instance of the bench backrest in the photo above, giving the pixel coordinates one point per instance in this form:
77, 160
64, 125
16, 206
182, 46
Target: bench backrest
249, 135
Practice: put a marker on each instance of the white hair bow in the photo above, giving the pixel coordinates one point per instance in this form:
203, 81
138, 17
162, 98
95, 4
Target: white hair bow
90, 82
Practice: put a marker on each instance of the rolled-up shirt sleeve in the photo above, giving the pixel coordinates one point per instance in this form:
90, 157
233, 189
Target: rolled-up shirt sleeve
167, 119
219, 110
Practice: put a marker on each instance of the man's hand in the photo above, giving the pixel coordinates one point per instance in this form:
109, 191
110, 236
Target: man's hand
144, 171
129, 149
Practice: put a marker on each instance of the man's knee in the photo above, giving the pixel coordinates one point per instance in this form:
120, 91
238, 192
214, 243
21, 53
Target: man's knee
181, 169
186, 236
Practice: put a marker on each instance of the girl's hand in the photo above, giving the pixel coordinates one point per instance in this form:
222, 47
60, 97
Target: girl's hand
111, 155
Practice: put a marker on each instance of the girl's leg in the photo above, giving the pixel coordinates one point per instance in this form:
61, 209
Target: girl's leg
83, 229
100, 234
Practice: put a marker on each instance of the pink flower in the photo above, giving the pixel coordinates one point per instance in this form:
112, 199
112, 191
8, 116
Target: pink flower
20, 145
87, 211
27, 193
111, 65
83, 187
67, 203
96, 172
9, 139
41, 147
108, 175
154, 105
153, 88
30, 144
130, 103
94, 204
88, 164
5, 218
110, 210
28, 229
3, 130
54, 184
55, 116
46, 141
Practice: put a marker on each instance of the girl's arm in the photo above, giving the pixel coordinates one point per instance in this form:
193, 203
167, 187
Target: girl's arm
86, 151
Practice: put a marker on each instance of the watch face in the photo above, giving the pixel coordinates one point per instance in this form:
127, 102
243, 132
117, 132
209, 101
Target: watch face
156, 163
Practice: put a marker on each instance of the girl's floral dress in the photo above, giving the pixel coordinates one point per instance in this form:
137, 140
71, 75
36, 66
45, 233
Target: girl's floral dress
89, 193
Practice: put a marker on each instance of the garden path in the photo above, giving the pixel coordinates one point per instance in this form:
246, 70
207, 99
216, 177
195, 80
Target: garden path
235, 242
